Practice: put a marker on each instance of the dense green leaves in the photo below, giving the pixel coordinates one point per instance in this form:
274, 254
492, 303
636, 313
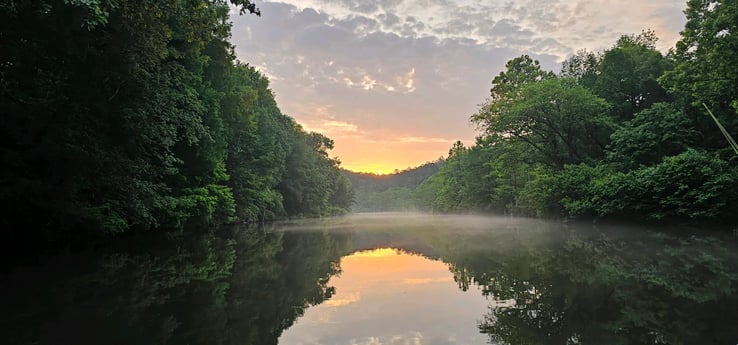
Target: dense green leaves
604, 139
628, 73
656, 132
127, 116
562, 121
707, 59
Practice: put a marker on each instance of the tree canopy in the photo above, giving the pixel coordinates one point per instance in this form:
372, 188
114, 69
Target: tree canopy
620, 133
122, 117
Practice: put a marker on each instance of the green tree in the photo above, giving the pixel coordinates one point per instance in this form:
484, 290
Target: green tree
563, 122
310, 178
584, 67
507, 86
652, 134
707, 64
628, 74
130, 116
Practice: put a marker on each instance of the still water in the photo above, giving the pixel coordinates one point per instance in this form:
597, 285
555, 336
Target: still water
388, 279
383, 296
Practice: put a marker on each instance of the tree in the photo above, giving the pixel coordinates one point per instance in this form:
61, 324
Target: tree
628, 74
707, 64
311, 176
466, 182
652, 134
584, 67
130, 116
557, 118
506, 87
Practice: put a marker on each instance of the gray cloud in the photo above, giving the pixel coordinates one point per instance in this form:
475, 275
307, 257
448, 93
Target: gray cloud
412, 69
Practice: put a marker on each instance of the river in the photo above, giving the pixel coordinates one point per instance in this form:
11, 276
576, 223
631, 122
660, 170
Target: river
388, 278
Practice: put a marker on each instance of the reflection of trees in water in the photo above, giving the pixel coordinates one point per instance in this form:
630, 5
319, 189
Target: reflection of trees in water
272, 289
140, 295
557, 284
553, 285
602, 288
209, 290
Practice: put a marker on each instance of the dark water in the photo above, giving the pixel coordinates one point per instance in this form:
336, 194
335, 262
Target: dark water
388, 279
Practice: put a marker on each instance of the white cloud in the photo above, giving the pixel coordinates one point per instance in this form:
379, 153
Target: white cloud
524, 24
422, 281
423, 140
349, 299
367, 83
413, 338
409, 82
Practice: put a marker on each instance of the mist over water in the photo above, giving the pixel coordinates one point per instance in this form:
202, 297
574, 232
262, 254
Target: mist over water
538, 281
390, 278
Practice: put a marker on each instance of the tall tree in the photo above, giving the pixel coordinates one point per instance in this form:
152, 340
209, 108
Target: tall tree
584, 67
707, 64
628, 74
557, 118
507, 86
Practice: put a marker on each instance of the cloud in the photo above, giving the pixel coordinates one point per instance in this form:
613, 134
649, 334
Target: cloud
408, 81
349, 299
424, 140
422, 281
495, 23
412, 338
331, 127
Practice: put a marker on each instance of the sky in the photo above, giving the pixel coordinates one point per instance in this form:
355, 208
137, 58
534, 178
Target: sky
394, 82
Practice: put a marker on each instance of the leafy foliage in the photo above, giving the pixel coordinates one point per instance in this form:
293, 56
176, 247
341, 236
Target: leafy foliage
391, 192
659, 131
130, 116
604, 138
706, 57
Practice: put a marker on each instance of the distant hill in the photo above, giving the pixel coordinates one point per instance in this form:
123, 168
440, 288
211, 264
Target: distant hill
375, 193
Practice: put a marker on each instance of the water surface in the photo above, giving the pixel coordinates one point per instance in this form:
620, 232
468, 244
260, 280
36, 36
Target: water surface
388, 296
388, 279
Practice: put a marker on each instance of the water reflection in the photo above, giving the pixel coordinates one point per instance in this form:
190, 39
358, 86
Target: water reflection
388, 296
606, 287
387, 279
243, 288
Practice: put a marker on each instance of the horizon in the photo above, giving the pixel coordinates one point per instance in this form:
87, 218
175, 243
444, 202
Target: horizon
396, 171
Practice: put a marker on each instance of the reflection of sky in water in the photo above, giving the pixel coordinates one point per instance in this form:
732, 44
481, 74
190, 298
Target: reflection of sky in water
388, 297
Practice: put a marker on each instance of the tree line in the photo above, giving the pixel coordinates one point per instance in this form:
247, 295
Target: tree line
624, 133
391, 192
122, 117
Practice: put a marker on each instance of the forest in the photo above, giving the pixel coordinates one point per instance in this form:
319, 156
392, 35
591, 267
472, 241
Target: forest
625, 133
127, 117
390, 192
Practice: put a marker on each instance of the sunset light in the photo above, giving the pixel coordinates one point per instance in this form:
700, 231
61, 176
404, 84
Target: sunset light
357, 155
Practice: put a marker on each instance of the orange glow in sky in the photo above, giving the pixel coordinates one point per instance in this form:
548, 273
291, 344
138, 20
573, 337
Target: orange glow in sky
385, 159
361, 153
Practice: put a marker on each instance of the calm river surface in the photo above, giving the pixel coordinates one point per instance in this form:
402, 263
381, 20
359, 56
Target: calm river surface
388, 278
